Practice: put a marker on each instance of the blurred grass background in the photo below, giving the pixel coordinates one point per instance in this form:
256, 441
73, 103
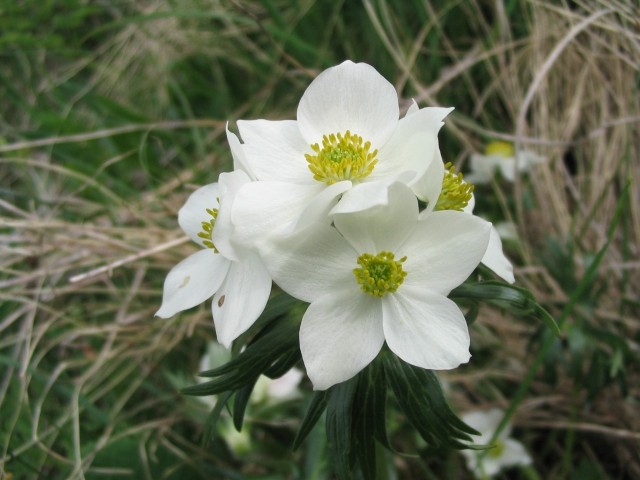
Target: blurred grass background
113, 112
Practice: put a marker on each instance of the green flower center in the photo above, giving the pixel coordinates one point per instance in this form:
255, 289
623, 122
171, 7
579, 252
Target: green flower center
455, 194
379, 274
500, 149
341, 157
207, 229
497, 450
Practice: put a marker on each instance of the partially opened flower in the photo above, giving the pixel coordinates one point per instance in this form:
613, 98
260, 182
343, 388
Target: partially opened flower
381, 274
503, 157
235, 277
453, 192
348, 140
506, 452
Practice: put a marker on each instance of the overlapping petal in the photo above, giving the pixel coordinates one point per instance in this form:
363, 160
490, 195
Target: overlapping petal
428, 187
223, 231
412, 145
275, 150
444, 249
241, 298
264, 209
425, 329
238, 154
192, 281
314, 262
340, 334
350, 96
382, 227
194, 211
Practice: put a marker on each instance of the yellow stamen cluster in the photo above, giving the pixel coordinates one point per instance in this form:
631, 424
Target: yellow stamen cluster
342, 157
456, 193
379, 274
207, 229
500, 149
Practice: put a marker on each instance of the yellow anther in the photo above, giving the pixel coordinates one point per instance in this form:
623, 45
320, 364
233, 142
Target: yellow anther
379, 274
455, 193
341, 157
207, 229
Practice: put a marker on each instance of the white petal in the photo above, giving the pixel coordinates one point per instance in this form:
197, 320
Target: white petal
413, 144
241, 298
507, 167
230, 183
340, 334
311, 263
488, 466
425, 329
319, 208
383, 227
366, 195
428, 187
237, 152
413, 108
286, 386
495, 259
444, 249
350, 96
275, 150
482, 168
194, 211
192, 281
265, 209
514, 453
485, 422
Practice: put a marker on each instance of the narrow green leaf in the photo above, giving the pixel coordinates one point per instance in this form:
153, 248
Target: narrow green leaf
225, 383
420, 396
284, 363
240, 403
510, 297
271, 343
339, 425
365, 422
316, 407
210, 424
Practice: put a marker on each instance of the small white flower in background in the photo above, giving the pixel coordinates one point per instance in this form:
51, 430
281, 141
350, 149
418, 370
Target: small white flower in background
236, 278
279, 389
380, 274
501, 156
348, 140
506, 453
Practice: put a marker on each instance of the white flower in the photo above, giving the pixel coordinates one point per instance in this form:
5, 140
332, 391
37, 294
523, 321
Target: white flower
446, 190
501, 156
507, 452
348, 139
279, 389
236, 277
383, 274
